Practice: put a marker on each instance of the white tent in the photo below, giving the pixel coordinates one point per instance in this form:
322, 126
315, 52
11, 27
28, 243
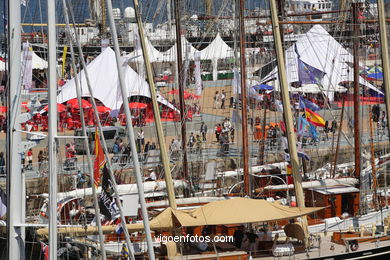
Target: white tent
37, 63
103, 75
320, 50
154, 54
186, 49
217, 49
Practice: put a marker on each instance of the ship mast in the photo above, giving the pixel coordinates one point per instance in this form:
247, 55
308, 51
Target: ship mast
181, 88
16, 243
385, 65
287, 113
156, 112
245, 149
356, 89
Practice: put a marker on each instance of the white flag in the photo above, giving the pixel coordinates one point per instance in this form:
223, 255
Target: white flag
236, 81
198, 78
23, 2
27, 65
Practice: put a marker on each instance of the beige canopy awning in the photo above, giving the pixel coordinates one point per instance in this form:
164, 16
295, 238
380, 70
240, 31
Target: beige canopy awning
232, 211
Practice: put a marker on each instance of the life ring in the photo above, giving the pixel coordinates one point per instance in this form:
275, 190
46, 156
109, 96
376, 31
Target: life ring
354, 246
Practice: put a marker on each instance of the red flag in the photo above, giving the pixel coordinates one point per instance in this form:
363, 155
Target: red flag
99, 159
45, 250
282, 126
314, 118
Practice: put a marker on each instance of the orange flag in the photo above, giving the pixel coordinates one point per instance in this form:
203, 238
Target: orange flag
314, 118
99, 159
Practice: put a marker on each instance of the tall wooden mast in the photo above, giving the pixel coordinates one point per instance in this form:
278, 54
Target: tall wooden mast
181, 88
356, 89
245, 151
287, 112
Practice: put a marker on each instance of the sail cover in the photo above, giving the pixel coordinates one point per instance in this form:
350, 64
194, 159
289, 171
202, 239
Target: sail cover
103, 75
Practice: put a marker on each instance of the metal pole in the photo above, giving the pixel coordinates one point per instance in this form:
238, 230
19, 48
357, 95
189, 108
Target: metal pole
245, 152
287, 113
86, 144
156, 112
356, 89
181, 89
262, 141
130, 132
104, 144
14, 176
52, 129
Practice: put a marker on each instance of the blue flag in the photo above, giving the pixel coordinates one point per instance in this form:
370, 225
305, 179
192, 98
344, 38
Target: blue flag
304, 103
306, 73
307, 129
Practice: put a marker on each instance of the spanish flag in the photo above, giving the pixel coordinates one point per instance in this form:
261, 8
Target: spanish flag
314, 118
99, 159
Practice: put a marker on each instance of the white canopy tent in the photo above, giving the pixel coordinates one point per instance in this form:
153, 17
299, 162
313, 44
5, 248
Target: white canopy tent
154, 54
37, 63
103, 75
186, 49
320, 50
217, 49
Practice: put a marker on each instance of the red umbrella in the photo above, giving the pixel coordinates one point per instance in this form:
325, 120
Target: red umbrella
137, 105
60, 108
103, 109
187, 95
74, 103
3, 109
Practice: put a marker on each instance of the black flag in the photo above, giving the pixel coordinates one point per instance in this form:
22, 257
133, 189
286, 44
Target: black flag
106, 201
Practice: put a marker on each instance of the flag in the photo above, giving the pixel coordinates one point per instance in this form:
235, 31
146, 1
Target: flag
279, 105
308, 74
27, 67
99, 159
282, 126
302, 154
23, 2
236, 83
45, 250
303, 127
125, 250
3, 203
106, 200
197, 72
314, 118
119, 228
304, 103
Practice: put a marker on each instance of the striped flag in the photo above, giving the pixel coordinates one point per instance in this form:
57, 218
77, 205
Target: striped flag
125, 250
314, 118
99, 159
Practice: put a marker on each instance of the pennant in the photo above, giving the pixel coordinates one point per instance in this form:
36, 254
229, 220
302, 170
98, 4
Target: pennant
99, 159
314, 118
304, 103
45, 250
3, 203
